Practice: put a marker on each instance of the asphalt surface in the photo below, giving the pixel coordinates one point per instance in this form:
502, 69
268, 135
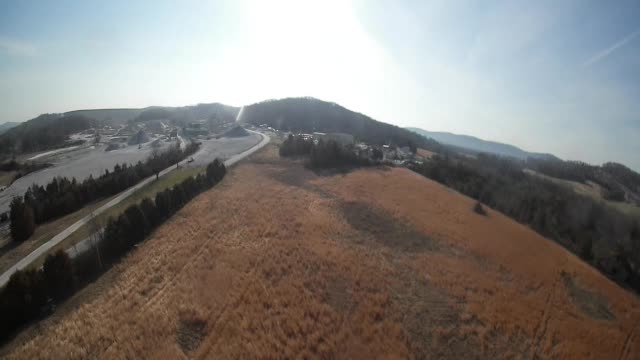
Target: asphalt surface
79, 163
205, 154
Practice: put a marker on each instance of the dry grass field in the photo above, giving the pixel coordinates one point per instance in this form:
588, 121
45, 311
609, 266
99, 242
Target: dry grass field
280, 262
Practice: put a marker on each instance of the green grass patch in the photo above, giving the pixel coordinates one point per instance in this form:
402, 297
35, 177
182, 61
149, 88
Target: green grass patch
6, 177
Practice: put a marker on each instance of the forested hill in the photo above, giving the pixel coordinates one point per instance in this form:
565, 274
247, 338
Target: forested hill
309, 115
480, 145
185, 114
44, 132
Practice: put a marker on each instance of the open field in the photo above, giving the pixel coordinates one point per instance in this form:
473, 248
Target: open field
277, 261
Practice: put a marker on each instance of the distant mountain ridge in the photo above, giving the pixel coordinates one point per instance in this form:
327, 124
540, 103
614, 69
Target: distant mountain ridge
480, 145
8, 125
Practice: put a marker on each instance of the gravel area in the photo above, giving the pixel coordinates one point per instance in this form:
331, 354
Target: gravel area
93, 160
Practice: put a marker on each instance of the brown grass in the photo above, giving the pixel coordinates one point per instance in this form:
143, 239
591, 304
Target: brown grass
425, 153
277, 262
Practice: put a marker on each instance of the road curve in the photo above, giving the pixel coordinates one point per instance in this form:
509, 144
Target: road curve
44, 248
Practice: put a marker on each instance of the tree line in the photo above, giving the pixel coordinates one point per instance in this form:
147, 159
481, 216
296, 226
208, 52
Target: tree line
62, 196
322, 154
602, 236
29, 294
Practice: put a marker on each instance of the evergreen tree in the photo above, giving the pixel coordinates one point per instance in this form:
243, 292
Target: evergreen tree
22, 220
58, 275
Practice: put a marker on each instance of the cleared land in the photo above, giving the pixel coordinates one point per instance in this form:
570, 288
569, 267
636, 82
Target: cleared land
278, 261
591, 190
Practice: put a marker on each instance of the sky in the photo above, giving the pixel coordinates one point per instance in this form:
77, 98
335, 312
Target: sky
548, 76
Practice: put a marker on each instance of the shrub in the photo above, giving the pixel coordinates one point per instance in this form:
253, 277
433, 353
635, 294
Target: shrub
478, 209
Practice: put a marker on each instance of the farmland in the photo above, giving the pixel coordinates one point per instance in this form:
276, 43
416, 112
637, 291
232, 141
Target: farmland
278, 261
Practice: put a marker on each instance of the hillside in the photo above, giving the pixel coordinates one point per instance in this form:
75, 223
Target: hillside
214, 111
8, 125
375, 263
311, 115
479, 145
45, 132
49, 131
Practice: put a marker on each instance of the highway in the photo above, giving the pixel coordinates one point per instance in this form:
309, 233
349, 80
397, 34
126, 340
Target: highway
44, 248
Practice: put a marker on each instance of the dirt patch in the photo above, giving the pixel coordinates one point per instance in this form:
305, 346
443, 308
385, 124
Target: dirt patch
590, 303
386, 229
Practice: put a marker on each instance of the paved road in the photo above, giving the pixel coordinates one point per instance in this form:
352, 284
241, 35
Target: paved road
44, 248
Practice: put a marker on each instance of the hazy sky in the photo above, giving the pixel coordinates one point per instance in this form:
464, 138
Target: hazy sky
553, 76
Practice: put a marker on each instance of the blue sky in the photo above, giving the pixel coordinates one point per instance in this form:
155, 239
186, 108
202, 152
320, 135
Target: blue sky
549, 76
